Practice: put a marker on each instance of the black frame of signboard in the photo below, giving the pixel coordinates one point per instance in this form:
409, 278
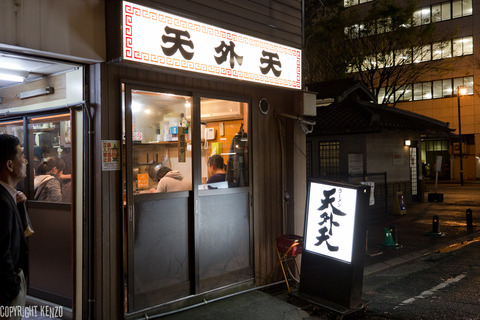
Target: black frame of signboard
333, 281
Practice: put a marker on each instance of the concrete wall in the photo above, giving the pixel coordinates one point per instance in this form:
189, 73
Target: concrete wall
387, 153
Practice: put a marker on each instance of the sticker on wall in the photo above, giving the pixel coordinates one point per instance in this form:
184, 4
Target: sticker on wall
110, 155
142, 180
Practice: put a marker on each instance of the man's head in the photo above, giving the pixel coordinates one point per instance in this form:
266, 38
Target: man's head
215, 163
13, 165
162, 172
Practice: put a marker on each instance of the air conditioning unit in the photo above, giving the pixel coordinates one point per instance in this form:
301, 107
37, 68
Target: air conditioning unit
221, 110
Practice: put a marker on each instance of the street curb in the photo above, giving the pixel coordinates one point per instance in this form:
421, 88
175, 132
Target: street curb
378, 267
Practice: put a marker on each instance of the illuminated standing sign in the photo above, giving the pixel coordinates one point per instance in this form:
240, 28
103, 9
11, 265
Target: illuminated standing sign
163, 39
330, 221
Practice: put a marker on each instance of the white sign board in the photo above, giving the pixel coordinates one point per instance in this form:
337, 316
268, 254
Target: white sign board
163, 39
438, 164
371, 200
331, 221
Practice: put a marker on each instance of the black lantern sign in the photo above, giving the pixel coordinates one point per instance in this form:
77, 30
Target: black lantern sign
334, 244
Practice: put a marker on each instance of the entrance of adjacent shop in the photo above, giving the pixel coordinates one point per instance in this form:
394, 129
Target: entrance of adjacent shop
44, 109
184, 234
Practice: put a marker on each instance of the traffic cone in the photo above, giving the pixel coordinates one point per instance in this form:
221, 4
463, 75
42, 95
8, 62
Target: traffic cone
388, 240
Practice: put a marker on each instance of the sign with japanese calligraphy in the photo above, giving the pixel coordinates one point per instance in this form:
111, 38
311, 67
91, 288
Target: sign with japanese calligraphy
330, 221
182, 145
160, 38
110, 155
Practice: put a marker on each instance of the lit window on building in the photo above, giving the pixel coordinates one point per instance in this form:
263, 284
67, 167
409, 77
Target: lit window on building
431, 89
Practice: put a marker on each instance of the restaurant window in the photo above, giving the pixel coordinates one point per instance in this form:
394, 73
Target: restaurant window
15, 128
161, 136
224, 138
50, 142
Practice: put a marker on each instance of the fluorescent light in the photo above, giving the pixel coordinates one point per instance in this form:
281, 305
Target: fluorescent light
13, 75
35, 93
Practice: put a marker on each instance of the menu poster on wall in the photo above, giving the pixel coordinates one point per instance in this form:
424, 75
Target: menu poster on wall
330, 221
110, 155
160, 38
397, 156
355, 163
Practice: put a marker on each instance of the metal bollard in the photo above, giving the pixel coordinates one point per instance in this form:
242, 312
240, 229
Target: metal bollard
469, 219
435, 223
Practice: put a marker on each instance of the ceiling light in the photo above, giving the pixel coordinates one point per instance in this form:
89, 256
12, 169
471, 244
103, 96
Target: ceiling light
35, 93
13, 75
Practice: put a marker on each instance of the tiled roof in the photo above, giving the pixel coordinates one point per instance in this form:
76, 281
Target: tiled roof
341, 89
354, 116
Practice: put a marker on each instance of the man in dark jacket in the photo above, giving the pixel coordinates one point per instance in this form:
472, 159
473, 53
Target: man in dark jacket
13, 246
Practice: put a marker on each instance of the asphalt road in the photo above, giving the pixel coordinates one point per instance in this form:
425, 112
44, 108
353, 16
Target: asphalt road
443, 285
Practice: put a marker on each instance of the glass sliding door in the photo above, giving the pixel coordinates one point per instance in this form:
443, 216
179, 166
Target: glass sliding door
186, 185
158, 183
223, 222
51, 246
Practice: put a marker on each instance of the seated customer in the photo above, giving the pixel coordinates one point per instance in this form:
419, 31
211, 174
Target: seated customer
170, 181
48, 185
216, 169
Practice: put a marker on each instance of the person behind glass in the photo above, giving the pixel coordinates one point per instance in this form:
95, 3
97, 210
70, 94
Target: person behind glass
13, 246
47, 184
216, 169
170, 181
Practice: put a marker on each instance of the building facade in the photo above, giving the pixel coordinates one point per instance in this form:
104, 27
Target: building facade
435, 94
130, 93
